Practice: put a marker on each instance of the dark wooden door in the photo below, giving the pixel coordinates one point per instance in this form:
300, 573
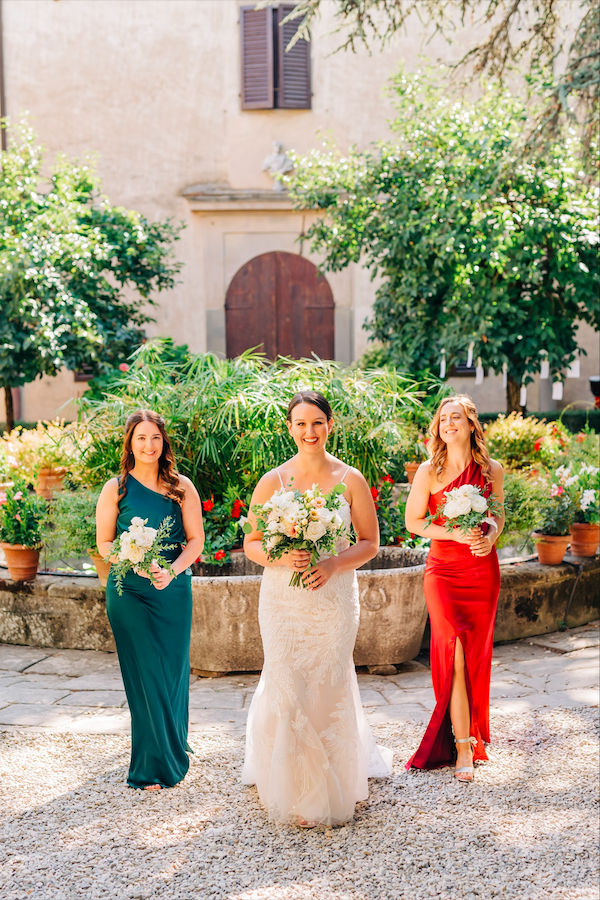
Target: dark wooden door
280, 303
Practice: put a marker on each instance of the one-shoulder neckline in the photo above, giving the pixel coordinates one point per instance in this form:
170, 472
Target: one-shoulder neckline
158, 493
450, 483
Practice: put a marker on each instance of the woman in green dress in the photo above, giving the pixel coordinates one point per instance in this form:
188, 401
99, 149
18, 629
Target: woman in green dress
151, 620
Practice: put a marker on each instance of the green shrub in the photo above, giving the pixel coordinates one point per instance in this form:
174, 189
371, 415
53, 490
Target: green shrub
518, 441
72, 520
523, 496
556, 515
226, 418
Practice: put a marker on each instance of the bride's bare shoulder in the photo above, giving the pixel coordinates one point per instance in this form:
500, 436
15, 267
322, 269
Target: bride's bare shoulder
269, 482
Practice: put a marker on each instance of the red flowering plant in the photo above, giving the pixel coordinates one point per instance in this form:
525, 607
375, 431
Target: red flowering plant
390, 513
222, 526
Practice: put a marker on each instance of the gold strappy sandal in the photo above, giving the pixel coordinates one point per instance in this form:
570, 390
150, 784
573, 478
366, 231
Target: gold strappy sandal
467, 770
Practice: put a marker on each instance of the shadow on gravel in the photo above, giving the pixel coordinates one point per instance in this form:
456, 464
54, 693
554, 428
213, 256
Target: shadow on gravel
525, 829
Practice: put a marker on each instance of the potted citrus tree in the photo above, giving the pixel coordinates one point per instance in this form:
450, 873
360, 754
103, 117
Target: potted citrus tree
72, 518
582, 483
22, 514
553, 535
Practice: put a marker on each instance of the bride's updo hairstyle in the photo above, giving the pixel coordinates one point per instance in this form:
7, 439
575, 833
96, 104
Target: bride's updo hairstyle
439, 449
313, 397
167, 473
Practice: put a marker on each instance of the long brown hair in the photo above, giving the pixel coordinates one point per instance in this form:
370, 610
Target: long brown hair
167, 473
439, 449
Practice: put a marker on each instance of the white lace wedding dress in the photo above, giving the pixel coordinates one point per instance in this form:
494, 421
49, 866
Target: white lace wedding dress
309, 749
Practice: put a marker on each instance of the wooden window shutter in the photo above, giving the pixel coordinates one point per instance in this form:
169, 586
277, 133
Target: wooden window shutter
257, 58
294, 66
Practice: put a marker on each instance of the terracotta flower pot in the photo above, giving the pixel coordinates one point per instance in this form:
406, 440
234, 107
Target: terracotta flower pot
551, 548
584, 539
22, 561
102, 568
49, 481
410, 469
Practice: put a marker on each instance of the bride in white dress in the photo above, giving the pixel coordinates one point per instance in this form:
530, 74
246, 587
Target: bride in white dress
309, 749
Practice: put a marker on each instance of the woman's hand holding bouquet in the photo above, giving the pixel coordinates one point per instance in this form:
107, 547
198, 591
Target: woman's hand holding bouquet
300, 528
466, 510
140, 549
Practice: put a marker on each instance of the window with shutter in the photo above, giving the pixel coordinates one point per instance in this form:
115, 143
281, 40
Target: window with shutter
272, 78
257, 58
293, 81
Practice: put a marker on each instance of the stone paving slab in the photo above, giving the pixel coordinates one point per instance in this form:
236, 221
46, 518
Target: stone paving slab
216, 700
19, 658
100, 682
18, 693
566, 641
94, 698
525, 677
75, 663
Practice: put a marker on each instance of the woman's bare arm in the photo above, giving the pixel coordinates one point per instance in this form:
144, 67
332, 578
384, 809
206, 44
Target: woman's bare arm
107, 510
191, 513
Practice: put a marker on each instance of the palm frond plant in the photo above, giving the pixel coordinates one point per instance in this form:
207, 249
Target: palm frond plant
226, 417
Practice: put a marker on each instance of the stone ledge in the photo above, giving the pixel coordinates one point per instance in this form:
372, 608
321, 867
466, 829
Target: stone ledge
70, 613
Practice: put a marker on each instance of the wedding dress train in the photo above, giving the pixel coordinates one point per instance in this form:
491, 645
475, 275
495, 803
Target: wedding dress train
309, 749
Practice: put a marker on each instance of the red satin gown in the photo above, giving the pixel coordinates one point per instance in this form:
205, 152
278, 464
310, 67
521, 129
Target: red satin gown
461, 591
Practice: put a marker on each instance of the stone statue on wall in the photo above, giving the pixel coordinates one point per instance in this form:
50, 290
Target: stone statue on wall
277, 163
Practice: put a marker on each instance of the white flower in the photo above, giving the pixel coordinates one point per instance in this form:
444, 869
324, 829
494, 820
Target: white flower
146, 538
337, 522
459, 505
314, 531
479, 503
273, 527
284, 500
325, 515
589, 470
569, 481
137, 522
588, 499
273, 541
135, 554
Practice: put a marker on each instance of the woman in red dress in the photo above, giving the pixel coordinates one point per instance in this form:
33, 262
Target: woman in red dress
462, 583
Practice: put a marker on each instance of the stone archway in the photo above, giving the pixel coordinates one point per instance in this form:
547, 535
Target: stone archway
279, 302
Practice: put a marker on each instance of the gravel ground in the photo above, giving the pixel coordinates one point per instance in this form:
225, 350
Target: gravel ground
527, 828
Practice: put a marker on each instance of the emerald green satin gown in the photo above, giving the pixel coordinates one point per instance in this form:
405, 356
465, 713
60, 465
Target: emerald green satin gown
152, 634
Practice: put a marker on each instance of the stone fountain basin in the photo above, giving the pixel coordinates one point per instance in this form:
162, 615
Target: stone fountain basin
68, 612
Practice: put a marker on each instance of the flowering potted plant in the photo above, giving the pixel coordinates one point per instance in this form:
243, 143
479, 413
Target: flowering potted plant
21, 518
582, 484
45, 454
553, 536
8, 466
222, 527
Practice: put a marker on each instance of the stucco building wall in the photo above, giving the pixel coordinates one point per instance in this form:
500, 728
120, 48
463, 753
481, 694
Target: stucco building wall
152, 88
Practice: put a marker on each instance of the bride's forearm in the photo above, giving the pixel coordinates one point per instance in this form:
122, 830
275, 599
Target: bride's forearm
355, 556
254, 551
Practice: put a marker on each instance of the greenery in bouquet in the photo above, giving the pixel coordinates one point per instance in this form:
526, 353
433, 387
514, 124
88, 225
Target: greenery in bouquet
524, 494
294, 520
138, 548
519, 442
222, 526
22, 515
581, 484
72, 521
50, 445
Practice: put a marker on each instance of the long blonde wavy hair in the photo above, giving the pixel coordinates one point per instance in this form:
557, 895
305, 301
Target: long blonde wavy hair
439, 449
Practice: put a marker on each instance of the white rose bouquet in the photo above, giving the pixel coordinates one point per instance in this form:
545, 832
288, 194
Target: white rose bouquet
138, 548
466, 508
291, 520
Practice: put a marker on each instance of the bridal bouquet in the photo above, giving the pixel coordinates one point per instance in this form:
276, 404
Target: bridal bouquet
138, 548
466, 508
292, 520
